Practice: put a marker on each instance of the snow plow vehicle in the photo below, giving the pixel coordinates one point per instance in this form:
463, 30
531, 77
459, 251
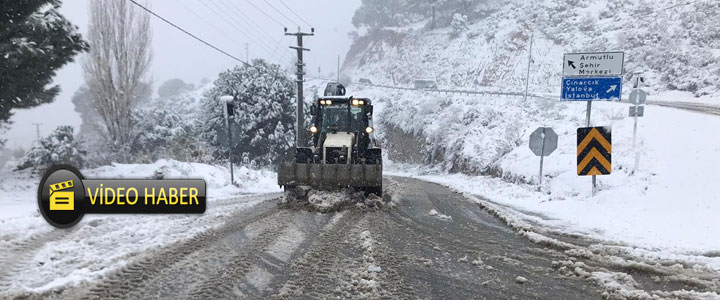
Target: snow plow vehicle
344, 153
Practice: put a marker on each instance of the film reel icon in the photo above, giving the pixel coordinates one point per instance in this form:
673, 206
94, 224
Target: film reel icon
60, 199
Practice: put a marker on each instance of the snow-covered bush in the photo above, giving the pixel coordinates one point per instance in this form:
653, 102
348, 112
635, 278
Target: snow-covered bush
264, 112
458, 23
163, 133
60, 147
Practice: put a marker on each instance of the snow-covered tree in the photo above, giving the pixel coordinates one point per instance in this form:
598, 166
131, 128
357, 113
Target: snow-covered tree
60, 147
35, 41
173, 87
377, 14
117, 65
264, 115
82, 101
164, 133
459, 23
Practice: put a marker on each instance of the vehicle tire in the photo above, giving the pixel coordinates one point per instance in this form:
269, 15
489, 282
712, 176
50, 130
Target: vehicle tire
291, 194
377, 190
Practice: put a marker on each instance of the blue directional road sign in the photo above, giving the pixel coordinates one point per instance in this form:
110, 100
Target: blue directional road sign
591, 88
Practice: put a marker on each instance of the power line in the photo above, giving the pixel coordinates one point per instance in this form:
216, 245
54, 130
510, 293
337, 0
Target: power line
190, 34
292, 11
681, 4
193, 36
231, 6
251, 23
267, 43
277, 46
273, 57
209, 24
204, 3
675, 6
232, 9
264, 13
278, 11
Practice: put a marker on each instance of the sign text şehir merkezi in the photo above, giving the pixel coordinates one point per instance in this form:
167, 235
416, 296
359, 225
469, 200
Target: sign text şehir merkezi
593, 64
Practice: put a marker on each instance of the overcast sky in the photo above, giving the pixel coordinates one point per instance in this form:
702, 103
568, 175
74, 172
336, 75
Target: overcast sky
177, 55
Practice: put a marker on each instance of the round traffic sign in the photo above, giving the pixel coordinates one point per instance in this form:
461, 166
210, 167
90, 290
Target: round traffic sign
637, 96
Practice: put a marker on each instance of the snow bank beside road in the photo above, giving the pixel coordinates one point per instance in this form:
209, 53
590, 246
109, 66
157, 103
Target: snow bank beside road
672, 201
19, 188
216, 177
34, 256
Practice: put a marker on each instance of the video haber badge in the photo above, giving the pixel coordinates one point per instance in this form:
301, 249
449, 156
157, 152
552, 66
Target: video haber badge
65, 196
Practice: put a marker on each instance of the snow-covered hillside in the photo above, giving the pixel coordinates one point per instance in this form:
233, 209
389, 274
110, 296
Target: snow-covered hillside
672, 43
667, 204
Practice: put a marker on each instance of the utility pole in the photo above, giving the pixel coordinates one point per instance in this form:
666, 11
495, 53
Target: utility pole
433, 16
527, 78
338, 69
300, 134
37, 130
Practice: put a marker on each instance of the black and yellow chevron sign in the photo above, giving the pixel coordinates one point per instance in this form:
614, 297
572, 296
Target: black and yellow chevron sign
594, 151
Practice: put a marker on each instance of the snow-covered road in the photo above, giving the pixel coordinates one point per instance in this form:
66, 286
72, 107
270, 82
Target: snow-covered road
690, 106
433, 243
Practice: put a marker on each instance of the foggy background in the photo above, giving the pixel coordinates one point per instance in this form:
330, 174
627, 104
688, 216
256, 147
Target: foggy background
176, 55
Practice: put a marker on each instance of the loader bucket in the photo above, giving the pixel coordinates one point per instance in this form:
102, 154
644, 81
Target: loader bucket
329, 176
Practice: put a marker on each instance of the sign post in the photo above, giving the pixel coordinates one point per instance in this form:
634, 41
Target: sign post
229, 112
592, 77
543, 141
637, 98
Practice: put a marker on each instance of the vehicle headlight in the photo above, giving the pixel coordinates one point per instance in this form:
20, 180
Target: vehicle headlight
361, 102
328, 102
369, 129
355, 102
322, 102
313, 129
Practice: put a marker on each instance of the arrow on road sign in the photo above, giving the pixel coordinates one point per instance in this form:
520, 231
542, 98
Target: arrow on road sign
612, 88
594, 151
571, 64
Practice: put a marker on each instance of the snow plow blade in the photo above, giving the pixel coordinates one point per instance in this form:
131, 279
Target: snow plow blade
329, 176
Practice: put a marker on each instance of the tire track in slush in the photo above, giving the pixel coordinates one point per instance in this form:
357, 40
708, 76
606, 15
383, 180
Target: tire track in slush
241, 264
342, 263
19, 253
315, 274
225, 282
12, 259
135, 275
278, 258
253, 271
378, 253
181, 280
